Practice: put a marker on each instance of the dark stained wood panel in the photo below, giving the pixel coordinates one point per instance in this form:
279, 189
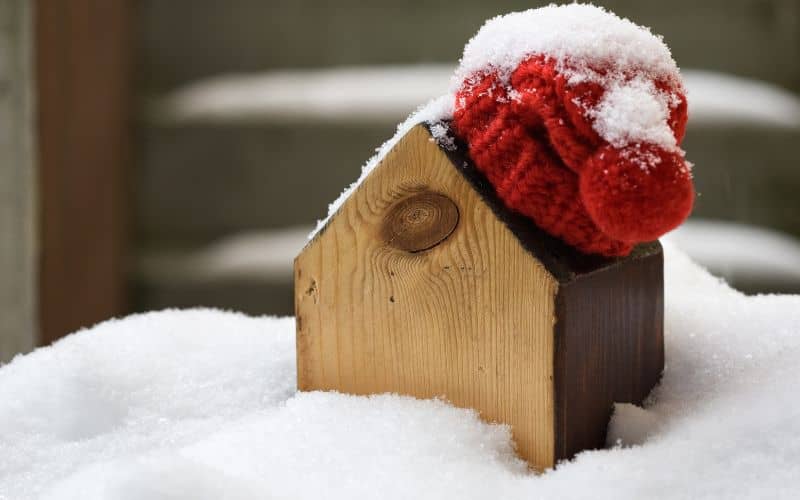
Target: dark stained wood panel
609, 346
83, 98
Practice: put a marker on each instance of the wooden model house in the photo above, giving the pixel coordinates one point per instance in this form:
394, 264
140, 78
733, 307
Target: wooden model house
424, 284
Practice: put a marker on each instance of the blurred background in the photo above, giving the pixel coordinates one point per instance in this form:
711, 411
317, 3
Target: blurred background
176, 153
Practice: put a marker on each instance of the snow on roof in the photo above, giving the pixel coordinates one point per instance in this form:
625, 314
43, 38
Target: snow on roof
202, 404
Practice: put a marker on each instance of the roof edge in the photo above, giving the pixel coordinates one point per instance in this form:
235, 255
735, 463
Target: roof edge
564, 262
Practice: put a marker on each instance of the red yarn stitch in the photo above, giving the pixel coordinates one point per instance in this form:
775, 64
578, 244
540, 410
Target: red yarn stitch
546, 161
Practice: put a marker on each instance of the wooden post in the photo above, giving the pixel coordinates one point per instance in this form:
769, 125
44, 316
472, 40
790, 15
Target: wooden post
424, 284
83, 55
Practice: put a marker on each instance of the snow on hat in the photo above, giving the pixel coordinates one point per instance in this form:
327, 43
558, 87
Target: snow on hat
575, 116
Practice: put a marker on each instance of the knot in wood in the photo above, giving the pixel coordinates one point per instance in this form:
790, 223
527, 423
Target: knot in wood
420, 221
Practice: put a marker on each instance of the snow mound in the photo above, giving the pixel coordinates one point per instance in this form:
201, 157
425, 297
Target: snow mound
201, 404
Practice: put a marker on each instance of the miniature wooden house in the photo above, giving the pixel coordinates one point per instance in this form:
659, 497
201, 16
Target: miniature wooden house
423, 284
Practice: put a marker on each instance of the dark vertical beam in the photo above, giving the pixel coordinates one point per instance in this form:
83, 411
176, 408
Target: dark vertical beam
82, 61
609, 345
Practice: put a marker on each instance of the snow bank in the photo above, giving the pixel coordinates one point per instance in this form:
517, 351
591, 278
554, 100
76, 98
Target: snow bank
201, 404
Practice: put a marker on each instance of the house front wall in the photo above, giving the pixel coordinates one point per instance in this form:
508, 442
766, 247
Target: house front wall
470, 319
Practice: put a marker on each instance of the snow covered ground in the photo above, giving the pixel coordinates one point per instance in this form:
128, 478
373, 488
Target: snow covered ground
201, 404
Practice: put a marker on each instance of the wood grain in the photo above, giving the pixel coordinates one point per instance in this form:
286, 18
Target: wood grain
419, 222
470, 319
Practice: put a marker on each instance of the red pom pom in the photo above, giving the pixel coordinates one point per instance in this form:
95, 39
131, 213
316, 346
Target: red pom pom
637, 193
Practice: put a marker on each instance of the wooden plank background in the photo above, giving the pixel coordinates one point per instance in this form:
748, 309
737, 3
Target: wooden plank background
83, 75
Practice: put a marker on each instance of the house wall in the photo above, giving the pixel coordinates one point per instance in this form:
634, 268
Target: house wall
17, 182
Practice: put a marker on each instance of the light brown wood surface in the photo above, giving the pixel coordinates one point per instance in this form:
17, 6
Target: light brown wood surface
470, 319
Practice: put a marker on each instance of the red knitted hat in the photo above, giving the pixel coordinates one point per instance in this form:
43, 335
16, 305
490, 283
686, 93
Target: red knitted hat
575, 116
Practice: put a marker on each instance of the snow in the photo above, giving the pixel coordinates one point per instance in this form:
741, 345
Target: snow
634, 112
201, 404
580, 37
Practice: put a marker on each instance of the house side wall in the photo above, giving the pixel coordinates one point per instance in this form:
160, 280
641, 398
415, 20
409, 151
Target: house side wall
609, 347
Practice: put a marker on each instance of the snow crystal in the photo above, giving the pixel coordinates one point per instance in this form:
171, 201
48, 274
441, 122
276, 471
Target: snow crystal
202, 404
441, 134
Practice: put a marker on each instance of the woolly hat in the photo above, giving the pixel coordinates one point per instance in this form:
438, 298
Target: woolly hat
576, 116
